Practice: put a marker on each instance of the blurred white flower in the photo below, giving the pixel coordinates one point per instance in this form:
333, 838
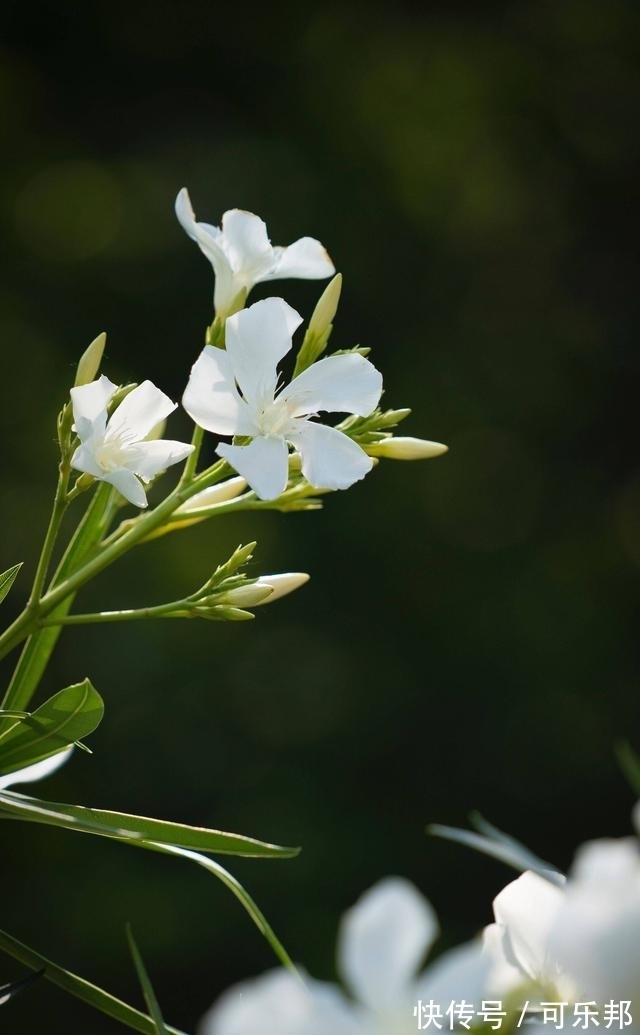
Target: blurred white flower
242, 255
577, 942
37, 771
382, 941
233, 392
113, 449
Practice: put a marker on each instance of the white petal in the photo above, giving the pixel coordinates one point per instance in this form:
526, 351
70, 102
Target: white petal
147, 459
505, 973
127, 485
263, 464
382, 941
527, 909
90, 404
84, 459
278, 1004
207, 236
139, 412
338, 384
282, 584
257, 338
306, 258
211, 398
37, 771
330, 460
461, 973
596, 937
247, 244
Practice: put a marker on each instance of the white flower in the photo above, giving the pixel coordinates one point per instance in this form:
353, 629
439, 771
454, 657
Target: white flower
37, 771
577, 942
381, 944
233, 392
242, 255
114, 449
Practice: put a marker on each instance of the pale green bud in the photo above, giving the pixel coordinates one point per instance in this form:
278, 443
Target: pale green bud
406, 448
325, 311
90, 361
211, 497
245, 596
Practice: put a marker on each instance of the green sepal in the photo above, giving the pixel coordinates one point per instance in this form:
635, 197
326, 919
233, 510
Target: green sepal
65, 718
7, 579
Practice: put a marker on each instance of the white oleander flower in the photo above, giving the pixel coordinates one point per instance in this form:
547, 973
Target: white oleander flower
242, 255
576, 942
381, 944
114, 449
37, 771
235, 392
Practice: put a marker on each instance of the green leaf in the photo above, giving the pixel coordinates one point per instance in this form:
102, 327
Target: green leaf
133, 829
147, 988
7, 579
66, 717
81, 989
499, 846
236, 888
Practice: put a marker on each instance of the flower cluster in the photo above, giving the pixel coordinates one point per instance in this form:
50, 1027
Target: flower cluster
235, 390
555, 943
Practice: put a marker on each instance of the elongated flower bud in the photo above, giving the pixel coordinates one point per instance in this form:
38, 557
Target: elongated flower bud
406, 449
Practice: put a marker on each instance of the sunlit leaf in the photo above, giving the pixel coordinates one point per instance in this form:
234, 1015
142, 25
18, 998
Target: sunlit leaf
124, 827
7, 579
66, 717
147, 988
81, 989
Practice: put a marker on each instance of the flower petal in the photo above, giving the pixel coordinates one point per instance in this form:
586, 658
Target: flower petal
257, 338
306, 258
247, 245
263, 463
147, 459
127, 485
330, 460
460, 974
338, 384
382, 941
37, 771
211, 398
90, 403
139, 412
277, 1003
84, 459
527, 908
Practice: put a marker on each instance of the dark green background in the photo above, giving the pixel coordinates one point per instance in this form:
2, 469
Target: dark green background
468, 638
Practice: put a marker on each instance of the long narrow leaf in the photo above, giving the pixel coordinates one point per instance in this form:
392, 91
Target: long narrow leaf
507, 850
122, 827
236, 889
147, 988
81, 989
7, 579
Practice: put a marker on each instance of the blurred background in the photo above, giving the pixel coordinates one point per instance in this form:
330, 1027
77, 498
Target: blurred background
468, 636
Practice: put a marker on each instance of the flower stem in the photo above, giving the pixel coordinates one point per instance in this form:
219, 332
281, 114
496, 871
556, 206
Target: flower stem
57, 513
192, 460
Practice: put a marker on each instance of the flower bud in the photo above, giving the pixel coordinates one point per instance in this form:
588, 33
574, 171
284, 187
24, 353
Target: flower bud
90, 361
325, 310
406, 448
281, 585
210, 497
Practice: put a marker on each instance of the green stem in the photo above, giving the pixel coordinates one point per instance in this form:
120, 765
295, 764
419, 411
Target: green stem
57, 513
156, 611
192, 459
39, 646
81, 989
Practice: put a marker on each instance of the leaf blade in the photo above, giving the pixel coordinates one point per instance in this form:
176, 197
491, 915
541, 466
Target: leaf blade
68, 716
7, 578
